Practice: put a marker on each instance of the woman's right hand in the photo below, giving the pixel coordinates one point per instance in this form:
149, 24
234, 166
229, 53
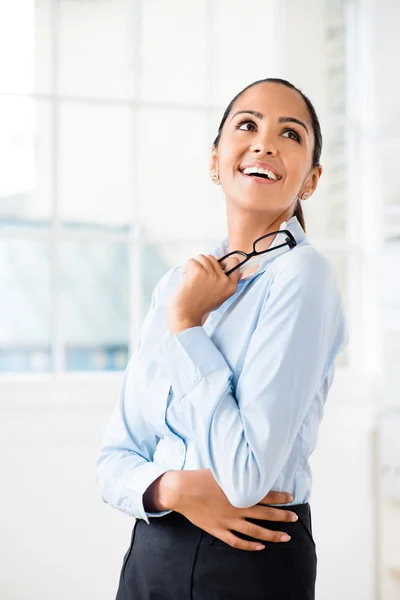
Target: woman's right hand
197, 496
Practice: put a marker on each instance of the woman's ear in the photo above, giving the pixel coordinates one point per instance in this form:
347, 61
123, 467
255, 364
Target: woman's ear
213, 160
311, 183
314, 178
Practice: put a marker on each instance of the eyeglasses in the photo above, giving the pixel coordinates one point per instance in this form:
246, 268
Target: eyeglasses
260, 246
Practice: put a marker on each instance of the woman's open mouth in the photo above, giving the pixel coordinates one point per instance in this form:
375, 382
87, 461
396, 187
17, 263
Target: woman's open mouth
259, 175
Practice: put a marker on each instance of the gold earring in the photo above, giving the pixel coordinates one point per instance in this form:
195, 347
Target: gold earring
215, 177
305, 196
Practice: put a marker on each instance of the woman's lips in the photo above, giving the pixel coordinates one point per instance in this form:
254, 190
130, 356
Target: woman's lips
260, 180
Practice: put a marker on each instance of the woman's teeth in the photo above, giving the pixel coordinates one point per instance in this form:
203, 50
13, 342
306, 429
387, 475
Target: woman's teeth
258, 171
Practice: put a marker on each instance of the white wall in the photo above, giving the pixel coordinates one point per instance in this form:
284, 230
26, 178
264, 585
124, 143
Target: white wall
60, 541
343, 500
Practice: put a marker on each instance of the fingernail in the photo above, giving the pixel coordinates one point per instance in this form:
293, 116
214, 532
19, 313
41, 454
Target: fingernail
285, 538
291, 498
295, 517
260, 547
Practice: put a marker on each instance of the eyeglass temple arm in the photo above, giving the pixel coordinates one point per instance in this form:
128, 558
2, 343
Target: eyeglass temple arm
289, 240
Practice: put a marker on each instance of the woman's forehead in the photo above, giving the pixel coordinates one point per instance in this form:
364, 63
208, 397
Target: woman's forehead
273, 99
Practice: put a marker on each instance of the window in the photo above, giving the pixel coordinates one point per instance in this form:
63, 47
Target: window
105, 143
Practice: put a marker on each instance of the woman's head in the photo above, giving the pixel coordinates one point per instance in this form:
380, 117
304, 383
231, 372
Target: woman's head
273, 125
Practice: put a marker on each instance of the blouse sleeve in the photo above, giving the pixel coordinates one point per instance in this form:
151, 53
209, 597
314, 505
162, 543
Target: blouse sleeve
246, 437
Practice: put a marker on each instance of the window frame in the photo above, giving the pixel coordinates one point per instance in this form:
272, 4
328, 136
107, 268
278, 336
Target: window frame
352, 245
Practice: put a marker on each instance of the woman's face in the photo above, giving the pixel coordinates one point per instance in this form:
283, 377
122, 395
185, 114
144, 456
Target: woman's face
279, 138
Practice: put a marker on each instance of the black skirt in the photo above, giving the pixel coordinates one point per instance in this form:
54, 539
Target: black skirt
172, 559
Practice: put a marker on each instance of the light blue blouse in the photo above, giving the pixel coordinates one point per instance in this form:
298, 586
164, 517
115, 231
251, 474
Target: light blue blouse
243, 395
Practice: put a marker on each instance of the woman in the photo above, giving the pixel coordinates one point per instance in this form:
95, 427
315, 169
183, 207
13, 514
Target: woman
222, 401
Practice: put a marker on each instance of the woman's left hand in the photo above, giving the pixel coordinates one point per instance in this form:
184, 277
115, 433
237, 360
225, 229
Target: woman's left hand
204, 287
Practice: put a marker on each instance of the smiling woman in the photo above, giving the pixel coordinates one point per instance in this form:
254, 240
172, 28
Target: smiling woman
221, 404
288, 123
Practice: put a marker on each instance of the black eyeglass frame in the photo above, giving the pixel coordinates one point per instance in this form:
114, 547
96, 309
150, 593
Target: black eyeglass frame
290, 241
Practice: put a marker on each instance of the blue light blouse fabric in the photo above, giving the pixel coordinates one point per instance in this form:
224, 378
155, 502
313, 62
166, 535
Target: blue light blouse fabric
242, 395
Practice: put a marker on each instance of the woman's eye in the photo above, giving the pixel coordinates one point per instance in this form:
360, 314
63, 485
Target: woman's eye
293, 135
240, 125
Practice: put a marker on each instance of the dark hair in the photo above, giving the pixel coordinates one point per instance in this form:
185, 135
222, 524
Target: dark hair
314, 120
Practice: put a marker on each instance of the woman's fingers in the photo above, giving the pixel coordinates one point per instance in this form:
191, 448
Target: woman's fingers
230, 538
206, 263
261, 533
269, 513
201, 501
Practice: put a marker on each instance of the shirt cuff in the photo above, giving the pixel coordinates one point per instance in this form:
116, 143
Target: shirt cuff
187, 357
142, 478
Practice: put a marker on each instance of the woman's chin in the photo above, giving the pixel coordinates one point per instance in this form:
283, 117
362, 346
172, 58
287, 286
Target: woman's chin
261, 205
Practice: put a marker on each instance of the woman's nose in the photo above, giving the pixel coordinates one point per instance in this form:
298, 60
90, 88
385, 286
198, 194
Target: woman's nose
268, 152
264, 145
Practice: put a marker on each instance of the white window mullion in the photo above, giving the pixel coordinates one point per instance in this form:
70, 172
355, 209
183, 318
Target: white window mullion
55, 277
364, 203
135, 233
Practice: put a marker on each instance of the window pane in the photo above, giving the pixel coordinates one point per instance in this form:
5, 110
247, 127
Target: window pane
96, 48
174, 38
328, 207
332, 209
389, 188
25, 46
95, 306
326, 212
177, 197
240, 25
389, 286
95, 164
389, 166
25, 150
24, 306
391, 361
340, 262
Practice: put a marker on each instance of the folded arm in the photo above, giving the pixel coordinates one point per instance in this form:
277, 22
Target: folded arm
246, 437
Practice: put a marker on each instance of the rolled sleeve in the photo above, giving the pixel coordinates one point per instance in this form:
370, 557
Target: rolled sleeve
142, 479
187, 357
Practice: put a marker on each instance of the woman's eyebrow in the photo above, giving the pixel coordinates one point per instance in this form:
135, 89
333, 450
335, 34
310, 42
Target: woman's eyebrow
250, 112
292, 120
259, 115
